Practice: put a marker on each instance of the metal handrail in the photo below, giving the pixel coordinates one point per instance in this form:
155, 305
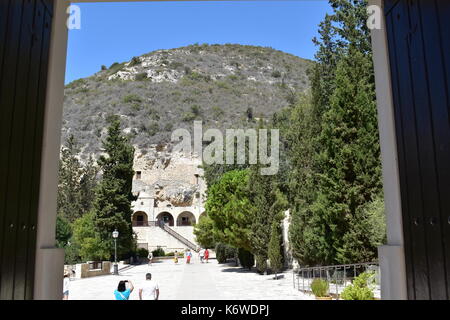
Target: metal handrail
166, 228
178, 236
331, 274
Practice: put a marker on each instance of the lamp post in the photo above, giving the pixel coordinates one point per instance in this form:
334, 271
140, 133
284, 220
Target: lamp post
115, 235
135, 236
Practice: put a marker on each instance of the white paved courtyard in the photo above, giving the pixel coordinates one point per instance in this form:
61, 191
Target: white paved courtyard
194, 281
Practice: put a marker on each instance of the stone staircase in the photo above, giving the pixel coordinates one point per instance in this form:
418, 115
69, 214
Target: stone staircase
179, 237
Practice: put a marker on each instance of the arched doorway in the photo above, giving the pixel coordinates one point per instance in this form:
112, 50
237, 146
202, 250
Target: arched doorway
165, 218
140, 219
186, 218
202, 215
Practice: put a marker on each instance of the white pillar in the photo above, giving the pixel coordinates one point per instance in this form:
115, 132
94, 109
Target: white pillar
49, 263
391, 255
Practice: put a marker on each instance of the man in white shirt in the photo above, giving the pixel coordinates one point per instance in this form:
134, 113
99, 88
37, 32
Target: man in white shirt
149, 290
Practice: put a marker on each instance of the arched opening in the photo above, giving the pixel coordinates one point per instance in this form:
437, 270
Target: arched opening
140, 219
165, 218
186, 218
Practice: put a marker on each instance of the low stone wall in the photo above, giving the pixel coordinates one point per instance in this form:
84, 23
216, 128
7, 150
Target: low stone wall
82, 270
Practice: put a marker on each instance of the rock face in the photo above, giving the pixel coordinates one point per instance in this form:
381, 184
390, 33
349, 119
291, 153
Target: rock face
224, 86
174, 179
178, 194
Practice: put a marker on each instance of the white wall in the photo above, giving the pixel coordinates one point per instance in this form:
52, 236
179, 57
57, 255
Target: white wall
157, 237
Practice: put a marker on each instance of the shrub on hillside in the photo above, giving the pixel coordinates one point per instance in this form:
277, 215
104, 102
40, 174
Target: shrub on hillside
134, 61
276, 74
188, 116
141, 76
131, 98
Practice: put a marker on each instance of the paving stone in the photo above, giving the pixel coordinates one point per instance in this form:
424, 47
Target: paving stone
196, 281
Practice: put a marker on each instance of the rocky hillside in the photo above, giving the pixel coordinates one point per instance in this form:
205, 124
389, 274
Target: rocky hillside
225, 86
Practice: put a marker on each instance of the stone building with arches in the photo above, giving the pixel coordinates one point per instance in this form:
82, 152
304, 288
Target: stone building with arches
170, 192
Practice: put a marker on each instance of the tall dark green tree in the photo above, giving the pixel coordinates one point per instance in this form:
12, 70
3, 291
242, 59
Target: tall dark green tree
306, 234
63, 231
70, 172
268, 206
350, 161
322, 73
88, 182
274, 249
112, 205
330, 219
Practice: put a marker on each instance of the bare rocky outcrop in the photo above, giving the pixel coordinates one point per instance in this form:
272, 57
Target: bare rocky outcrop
170, 178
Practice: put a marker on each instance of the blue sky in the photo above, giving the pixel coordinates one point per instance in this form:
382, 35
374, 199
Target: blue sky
116, 32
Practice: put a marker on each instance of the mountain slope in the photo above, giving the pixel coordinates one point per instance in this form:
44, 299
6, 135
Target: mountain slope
225, 86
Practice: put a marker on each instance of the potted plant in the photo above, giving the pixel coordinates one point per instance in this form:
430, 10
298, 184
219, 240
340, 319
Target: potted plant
320, 288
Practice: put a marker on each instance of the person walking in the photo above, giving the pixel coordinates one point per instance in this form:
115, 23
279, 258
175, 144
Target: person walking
150, 258
150, 289
201, 254
175, 257
66, 285
206, 255
188, 256
122, 292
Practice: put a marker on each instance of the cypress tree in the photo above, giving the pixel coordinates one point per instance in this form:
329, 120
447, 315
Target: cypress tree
112, 205
274, 250
348, 164
331, 222
70, 171
305, 242
88, 182
351, 175
268, 205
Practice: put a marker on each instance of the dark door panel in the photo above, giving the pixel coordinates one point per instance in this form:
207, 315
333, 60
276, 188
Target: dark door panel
25, 27
418, 62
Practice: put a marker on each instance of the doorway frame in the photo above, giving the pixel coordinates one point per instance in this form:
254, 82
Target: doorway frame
50, 260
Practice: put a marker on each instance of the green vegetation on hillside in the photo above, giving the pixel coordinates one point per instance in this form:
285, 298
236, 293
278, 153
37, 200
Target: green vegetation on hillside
217, 84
